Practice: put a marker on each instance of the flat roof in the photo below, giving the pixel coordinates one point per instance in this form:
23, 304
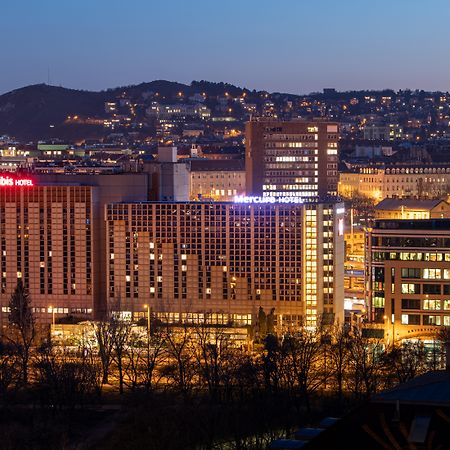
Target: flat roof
416, 224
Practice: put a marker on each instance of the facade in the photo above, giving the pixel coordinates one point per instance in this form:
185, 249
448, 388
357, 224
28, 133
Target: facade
221, 262
47, 241
408, 276
53, 237
376, 131
216, 180
399, 181
410, 208
291, 159
169, 178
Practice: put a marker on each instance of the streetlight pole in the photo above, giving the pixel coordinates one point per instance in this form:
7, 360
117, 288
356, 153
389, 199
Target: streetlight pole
53, 315
148, 318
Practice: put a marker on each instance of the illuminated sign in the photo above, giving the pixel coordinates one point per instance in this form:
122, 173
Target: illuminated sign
8, 181
256, 199
341, 227
340, 210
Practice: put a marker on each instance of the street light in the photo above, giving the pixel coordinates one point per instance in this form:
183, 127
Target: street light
384, 324
53, 315
148, 318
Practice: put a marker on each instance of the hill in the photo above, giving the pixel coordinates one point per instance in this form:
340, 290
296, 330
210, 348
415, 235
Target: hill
41, 111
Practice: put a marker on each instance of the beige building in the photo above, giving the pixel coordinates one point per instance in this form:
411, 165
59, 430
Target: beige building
220, 262
410, 208
219, 180
396, 181
408, 277
291, 159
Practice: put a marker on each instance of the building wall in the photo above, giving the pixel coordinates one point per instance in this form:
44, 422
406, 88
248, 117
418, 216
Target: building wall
296, 158
401, 182
47, 240
218, 185
409, 276
109, 188
226, 260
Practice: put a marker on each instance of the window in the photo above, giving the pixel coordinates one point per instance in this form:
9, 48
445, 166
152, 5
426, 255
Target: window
431, 320
410, 288
408, 303
410, 273
432, 289
410, 319
378, 302
432, 304
432, 274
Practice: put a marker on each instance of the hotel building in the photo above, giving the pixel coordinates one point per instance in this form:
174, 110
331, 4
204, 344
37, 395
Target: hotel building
53, 236
408, 276
291, 159
220, 262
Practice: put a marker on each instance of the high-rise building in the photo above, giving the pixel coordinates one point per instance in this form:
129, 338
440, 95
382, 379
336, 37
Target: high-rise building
221, 262
408, 276
53, 237
291, 159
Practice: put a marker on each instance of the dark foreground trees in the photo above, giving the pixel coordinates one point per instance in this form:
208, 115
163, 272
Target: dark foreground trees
23, 331
240, 396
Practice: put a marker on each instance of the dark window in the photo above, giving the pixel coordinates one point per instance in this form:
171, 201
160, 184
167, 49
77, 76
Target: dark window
413, 319
410, 273
431, 288
410, 303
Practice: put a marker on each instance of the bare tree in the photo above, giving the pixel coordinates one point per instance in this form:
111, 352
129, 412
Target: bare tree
211, 349
65, 380
9, 368
179, 367
119, 331
406, 361
304, 355
105, 344
366, 365
154, 356
22, 321
339, 355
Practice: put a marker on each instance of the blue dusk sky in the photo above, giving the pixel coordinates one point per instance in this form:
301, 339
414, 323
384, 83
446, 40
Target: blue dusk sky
295, 46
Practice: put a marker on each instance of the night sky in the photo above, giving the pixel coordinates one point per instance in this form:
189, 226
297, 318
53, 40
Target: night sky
294, 46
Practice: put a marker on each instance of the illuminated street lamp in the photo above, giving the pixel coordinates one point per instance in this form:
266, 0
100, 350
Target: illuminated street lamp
53, 315
148, 318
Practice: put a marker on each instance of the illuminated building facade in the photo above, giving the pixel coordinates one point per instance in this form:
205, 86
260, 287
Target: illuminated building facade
291, 159
220, 262
408, 281
215, 179
53, 237
46, 239
399, 181
411, 208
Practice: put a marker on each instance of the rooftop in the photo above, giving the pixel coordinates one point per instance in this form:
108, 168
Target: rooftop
426, 224
397, 204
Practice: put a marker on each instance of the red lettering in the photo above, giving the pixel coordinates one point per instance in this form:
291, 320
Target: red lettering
8, 181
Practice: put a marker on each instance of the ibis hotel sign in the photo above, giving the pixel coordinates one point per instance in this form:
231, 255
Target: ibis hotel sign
7, 181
